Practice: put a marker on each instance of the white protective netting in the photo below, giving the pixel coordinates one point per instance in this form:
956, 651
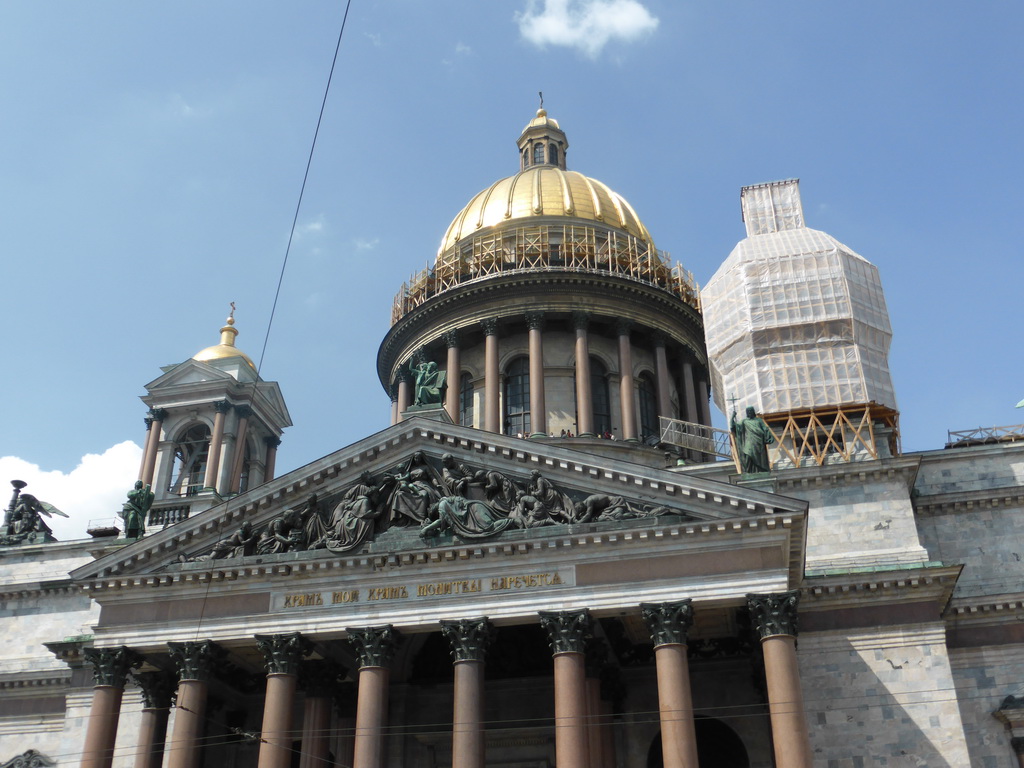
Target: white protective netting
793, 318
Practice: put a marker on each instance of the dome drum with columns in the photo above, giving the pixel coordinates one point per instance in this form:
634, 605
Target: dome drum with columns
502, 306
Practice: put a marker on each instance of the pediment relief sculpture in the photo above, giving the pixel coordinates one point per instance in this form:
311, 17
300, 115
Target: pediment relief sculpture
433, 498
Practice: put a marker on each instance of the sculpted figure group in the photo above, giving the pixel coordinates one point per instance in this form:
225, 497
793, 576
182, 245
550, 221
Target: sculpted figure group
454, 498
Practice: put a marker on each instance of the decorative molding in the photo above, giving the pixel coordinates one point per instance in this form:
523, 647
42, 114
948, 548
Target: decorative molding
222, 406
374, 646
469, 638
29, 759
148, 421
1011, 497
110, 665
158, 414
535, 321
490, 326
196, 660
243, 411
568, 631
774, 614
668, 623
272, 441
283, 653
157, 688
580, 320
623, 326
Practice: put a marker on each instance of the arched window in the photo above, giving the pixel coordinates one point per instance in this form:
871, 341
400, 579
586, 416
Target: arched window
599, 396
538, 154
648, 406
191, 453
553, 154
517, 397
466, 400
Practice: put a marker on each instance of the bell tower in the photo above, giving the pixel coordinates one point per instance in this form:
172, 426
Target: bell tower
213, 426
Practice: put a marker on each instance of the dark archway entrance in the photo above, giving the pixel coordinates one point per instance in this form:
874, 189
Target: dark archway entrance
718, 746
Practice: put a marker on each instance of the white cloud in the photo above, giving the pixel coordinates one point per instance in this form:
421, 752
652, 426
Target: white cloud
363, 244
374, 38
94, 490
587, 25
463, 49
312, 227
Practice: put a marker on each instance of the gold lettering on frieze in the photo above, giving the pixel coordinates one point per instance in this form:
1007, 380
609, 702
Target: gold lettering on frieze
525, 581
387, 593
345, 596
440, 588
303, 600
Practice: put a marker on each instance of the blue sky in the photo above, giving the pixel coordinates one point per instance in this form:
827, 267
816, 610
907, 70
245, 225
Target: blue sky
152, 157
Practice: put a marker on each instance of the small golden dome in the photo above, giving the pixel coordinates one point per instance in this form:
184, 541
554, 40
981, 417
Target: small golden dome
227, 347
545, 191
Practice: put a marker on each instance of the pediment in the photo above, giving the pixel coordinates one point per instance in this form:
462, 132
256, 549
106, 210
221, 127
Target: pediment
188, 372
373, 497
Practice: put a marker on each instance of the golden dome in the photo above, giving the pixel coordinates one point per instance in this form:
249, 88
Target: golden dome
227, 347
545, 191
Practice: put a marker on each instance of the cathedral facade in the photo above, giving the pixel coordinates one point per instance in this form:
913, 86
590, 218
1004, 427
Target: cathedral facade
550, 557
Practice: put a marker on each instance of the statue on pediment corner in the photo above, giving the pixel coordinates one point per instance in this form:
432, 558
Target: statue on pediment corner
24, 518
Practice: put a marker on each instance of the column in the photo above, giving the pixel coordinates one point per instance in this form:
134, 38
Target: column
492, 383
157, 691
538, 408
469, 639
404, 391
318, 680
661, 372
273, 443
454, 375
374, 647
147, 446
195, 662
568, 632
703, 403
344, 739
283, 654
244, 412
222, 407
158, 415
692, 410
584, 401
595, 659
393, 392
627, 401
109, 668
774, 617
668, 624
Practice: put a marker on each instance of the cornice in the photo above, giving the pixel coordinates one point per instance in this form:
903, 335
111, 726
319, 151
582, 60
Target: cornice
1006, 497
987, 609
23, 681
862, 587
903, 468
31, 589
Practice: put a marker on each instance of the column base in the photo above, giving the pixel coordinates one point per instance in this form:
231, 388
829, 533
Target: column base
537, 435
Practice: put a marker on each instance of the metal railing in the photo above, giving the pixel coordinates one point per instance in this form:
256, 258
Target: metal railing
986, 435
696, 437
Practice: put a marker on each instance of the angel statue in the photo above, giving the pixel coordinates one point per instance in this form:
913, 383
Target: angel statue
25, 518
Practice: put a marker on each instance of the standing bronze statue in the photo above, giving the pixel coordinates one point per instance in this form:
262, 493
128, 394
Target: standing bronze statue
752, 437
134, 511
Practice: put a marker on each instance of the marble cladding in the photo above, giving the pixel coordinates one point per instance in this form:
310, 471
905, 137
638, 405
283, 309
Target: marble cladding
886, 696
984, 677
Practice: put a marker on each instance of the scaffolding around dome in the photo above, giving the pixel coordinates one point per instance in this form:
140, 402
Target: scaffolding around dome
543, 247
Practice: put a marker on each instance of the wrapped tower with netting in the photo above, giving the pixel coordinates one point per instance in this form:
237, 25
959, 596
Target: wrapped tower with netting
797, 327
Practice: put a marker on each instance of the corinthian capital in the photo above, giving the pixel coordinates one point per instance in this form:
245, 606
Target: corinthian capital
375, 646
110, 665
283, 653
196, 660
668, 623
469, 638
775, 613
568, 631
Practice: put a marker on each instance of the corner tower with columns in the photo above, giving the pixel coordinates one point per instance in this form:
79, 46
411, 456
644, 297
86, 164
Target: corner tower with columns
552, 311
213, 426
